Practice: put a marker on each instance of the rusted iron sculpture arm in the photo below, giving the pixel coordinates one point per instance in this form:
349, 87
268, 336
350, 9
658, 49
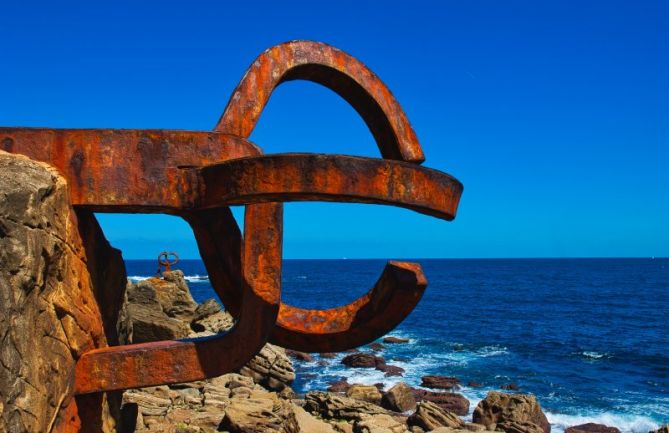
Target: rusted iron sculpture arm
165, 362
334, 69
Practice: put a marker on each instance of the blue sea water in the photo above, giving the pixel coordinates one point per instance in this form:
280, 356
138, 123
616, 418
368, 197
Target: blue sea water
588, 337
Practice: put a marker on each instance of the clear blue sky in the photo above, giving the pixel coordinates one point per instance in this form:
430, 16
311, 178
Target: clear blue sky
554, 115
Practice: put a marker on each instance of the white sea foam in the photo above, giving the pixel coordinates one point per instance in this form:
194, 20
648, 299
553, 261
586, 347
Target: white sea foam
593, 355
190, 278
626, 423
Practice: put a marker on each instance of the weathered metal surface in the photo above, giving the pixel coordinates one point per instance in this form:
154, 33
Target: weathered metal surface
196, 175
338, 178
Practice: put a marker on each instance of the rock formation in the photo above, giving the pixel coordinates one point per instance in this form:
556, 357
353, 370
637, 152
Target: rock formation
61, 285
399, 398
429, 416
511, 412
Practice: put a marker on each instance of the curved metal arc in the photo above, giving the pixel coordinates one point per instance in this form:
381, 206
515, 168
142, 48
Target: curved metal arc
395, 294
338, 178
164, 362
334, 69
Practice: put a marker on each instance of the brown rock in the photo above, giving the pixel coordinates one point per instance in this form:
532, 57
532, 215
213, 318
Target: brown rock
519, 427
395, 340
339, 386
307, 423
206, 309
49, 291
399, 398
663, 429
362, 360
336, 406
270, 368
379, 424
592, 428
449, 401
390, 370
302, 356
510, 387
429, 416
376, 347
473, 384
152, 324
498, 408
442, 382
261, 413
366, 393
328, 355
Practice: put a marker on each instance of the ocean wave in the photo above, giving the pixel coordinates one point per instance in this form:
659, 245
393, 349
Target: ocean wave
626, 423
593, 355
190, 278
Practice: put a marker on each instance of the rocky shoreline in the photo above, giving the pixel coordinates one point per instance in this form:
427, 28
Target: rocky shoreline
259, 397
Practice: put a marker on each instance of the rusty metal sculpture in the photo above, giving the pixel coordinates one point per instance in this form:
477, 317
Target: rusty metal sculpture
202, 173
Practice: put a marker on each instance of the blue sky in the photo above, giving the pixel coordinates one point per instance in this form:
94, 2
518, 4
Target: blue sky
554, 115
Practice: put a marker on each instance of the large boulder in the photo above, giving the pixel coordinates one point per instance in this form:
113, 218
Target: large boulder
57, 301
499, 408
592, 428
449, 401
399, 398
145, 316
429, 416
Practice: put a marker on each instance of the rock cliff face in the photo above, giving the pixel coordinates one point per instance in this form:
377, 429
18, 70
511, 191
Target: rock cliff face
57, 300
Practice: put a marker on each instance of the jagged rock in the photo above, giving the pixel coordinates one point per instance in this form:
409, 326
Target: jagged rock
510, 387
51, 291
367, 393
174, 295
449, 401
395, 340
442, 382
362, 360
399, 398
379, 424
335, 406
498, 408
195, 406
593, 428
663, 429
429, 416
270, 368
206, 309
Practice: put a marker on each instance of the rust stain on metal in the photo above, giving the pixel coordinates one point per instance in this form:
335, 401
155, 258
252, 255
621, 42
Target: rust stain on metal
196, 175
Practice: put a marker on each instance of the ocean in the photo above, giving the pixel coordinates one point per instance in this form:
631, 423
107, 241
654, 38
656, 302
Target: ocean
588, 337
